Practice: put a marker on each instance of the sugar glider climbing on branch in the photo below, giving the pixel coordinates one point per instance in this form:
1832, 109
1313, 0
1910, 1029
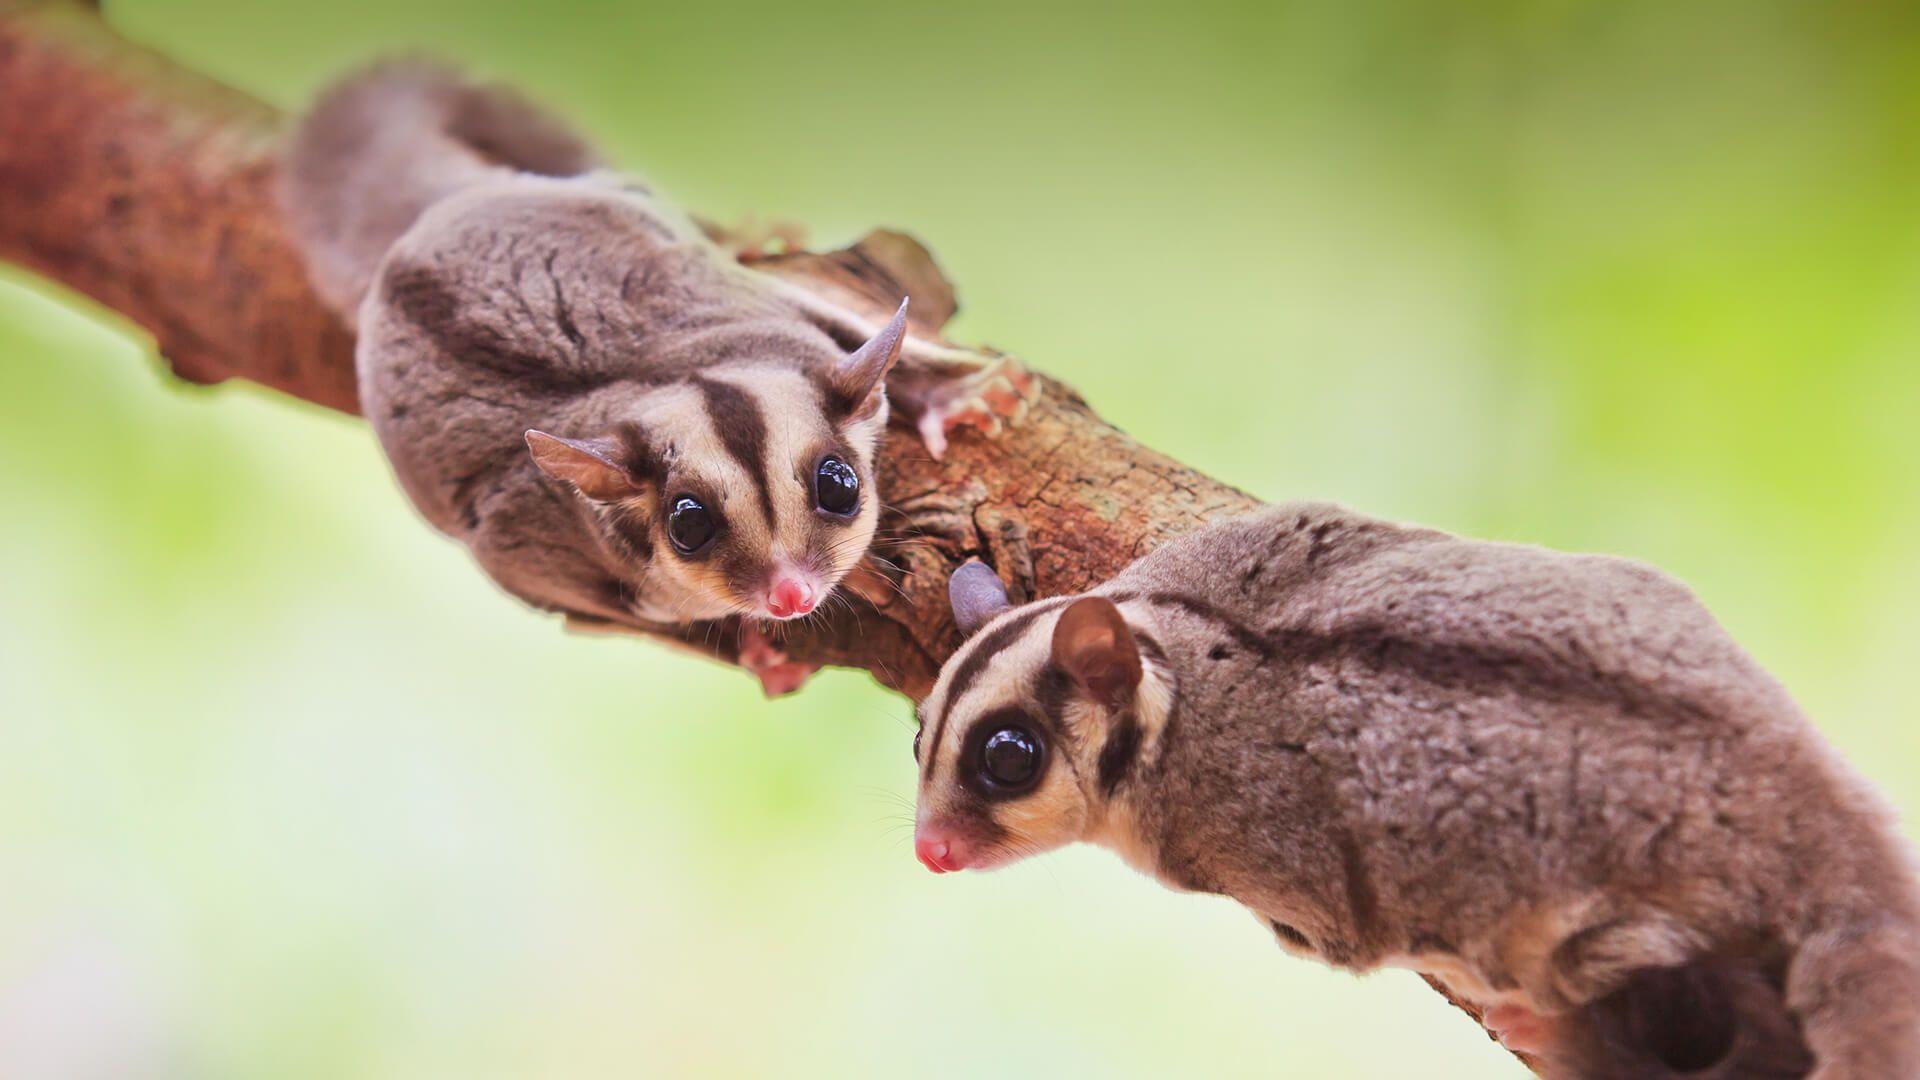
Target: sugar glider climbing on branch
621, 422
1552, 782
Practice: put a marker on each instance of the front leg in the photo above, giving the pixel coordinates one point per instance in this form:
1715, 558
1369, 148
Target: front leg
779, 675
1522, 1030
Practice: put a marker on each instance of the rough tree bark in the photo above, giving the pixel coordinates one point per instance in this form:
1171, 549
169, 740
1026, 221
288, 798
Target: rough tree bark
150, 189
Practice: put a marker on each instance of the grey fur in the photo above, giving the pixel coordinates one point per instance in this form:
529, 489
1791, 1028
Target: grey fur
382, 146
500, 288
1531, 774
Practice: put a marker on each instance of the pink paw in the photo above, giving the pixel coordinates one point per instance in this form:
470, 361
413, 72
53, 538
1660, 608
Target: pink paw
778, 675
1520, 1029
779, 680
986, 400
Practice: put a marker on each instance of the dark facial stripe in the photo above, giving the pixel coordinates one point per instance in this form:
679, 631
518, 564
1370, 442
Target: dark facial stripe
985, 648
635, 531
1125, 736
736, 416
1117, 754
637, 453
1051, 692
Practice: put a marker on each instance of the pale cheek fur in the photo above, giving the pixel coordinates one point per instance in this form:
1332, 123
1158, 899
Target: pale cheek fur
1051, 816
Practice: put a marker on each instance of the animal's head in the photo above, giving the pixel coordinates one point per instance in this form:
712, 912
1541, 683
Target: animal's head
748, 489
1033, 725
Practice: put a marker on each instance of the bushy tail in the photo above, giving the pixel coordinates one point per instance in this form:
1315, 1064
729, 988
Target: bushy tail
382, 145
1709, 1020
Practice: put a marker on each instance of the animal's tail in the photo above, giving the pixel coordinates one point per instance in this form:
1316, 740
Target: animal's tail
385, 143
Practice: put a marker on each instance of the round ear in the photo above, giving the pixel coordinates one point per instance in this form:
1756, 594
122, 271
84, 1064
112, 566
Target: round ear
859, 379
977, 596
1094, 646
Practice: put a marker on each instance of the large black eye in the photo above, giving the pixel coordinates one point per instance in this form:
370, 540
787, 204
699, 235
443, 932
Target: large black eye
1010, 759
836, 487
690, 526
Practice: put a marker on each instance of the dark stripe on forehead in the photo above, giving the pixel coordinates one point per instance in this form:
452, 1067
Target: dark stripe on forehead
984, 649
1052, 691
637, 453
743, 431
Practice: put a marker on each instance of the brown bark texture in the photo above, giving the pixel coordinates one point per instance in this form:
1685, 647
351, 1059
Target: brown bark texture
151, 189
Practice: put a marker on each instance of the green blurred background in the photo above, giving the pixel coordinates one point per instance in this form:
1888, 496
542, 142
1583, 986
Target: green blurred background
288, 790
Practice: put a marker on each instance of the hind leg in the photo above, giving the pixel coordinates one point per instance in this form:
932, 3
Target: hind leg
1856, 990
1564, 959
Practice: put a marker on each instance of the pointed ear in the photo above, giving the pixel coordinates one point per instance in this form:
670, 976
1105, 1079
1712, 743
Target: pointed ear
1094, 646
977, 596
592, 465
859, 379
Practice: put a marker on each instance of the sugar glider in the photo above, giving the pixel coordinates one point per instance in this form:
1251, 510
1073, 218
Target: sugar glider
1552, 782
618, 419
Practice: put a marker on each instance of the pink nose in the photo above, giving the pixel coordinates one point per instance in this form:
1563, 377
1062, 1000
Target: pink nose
790, 597
936, 855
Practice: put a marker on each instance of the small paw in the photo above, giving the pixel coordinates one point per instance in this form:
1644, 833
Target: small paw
1520, 1029
779, 680
987, 399
778, 675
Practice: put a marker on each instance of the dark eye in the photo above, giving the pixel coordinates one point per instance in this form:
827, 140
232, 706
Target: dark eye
1010, 759
690, 525
836, 487
916, 746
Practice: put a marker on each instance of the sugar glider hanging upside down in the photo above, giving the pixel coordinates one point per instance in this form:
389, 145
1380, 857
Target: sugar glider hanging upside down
621, 422
1550, 781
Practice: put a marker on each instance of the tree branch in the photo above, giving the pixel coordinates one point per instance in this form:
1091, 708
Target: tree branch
151, 189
